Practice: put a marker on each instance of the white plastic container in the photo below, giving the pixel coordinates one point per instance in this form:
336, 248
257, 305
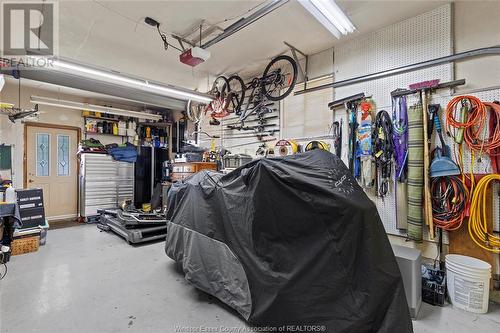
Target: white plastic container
10, 195
468, 282
122, 128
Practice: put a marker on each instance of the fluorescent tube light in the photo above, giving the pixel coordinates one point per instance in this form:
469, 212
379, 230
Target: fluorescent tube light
117, 79
329, 14
91, 107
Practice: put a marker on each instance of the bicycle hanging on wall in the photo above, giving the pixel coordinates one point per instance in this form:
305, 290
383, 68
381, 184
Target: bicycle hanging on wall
277, 82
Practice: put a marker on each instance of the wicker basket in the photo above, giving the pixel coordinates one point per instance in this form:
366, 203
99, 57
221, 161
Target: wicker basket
25, 245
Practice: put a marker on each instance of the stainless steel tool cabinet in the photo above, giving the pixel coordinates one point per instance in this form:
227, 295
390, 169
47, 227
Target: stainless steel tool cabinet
104, 183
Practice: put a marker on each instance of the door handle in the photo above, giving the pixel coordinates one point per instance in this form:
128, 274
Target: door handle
30, 180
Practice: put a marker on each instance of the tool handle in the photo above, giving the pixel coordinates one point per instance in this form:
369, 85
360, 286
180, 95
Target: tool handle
437, 123
427, 199
459, 138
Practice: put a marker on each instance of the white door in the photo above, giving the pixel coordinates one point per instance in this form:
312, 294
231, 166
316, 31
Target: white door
51, 164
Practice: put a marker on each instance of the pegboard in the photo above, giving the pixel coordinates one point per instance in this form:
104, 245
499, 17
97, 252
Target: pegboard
417, 39
482, 163
236, 141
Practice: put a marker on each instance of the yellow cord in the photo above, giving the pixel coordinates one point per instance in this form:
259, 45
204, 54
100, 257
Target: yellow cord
478, 228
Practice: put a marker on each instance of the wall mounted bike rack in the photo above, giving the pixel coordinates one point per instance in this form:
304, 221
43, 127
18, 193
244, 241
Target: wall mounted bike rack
302, 71
493, 50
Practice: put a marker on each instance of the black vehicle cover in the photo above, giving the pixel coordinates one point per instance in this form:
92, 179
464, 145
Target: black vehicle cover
289, 241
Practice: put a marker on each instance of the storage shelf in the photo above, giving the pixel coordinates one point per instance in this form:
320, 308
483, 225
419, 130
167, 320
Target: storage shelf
155, 124
108, 134
102, 118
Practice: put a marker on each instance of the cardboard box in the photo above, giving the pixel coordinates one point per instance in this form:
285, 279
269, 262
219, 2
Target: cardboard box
25, 245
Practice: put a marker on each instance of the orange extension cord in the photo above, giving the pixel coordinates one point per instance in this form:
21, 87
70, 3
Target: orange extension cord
489, 143
474, 122
475, 118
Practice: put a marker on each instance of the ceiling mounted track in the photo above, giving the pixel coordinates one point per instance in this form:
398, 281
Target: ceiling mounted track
493, 50
242, 23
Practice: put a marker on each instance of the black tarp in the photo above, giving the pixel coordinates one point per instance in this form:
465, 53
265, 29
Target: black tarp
296, 238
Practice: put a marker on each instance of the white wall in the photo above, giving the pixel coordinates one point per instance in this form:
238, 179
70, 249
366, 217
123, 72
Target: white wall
477, 25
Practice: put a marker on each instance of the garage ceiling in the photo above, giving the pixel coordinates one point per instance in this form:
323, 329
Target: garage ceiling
112, 34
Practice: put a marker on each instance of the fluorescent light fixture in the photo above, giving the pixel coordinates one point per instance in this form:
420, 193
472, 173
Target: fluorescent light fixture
91, 107
120, 79
329, 14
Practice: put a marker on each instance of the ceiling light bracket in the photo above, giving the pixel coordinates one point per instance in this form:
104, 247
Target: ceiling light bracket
302, 71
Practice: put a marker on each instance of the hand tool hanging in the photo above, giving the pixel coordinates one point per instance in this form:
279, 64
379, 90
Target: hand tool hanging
442, 165
363, 161
400, 136
383, 151
352, 114
415, 167
337, 137
351, 106
449, 195
400, 143
424, 92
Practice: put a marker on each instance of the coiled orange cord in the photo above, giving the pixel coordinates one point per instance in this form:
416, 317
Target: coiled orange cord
489, 143
475, 118
474, 122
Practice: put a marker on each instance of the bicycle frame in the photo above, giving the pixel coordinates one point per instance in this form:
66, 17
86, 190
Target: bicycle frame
259, 83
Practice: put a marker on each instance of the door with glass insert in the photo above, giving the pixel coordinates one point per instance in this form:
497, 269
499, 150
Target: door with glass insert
51, 164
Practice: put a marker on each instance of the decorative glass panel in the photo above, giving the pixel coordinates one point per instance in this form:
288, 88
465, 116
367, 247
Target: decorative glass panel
62, 155
42, 154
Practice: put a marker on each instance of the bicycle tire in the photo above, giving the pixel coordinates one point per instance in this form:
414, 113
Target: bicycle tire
220, 86
292, 81
237, 101
194, 111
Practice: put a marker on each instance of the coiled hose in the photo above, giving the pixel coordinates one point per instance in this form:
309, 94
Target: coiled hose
478, 228
449, 199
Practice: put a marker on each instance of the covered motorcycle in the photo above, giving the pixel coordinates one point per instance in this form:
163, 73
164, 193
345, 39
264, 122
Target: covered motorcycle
289, 241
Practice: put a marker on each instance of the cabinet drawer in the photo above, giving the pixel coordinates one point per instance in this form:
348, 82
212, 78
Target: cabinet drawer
206, 166
189, 168
180, 176
178, 168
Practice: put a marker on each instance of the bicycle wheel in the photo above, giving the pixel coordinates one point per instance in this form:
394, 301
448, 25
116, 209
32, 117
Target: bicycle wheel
279, 78
219, 87
236, 86
194, 111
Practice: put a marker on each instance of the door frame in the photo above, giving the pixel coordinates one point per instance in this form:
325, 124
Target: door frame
25, 154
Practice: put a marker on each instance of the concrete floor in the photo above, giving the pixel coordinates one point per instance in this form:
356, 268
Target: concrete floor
81, 282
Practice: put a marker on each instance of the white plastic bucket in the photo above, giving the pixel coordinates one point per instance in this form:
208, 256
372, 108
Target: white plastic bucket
468, 282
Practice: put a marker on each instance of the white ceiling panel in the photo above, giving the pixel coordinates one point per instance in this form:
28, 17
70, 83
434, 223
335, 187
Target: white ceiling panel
112, 34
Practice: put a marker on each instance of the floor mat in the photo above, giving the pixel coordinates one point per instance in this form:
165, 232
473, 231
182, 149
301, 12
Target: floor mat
59, 224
